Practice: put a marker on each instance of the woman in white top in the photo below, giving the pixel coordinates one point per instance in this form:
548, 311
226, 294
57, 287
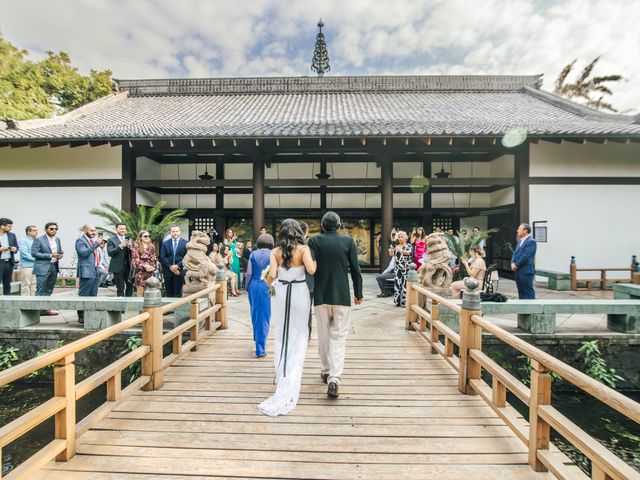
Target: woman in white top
475, 268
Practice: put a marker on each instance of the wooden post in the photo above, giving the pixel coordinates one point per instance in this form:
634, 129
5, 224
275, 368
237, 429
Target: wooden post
498, 393
598, 473
434, 336
470, 335
573, 273
114, 387
539, 431
221, 298
603, 280
258, 195
152, 335
64, 385
411, 300
193, 331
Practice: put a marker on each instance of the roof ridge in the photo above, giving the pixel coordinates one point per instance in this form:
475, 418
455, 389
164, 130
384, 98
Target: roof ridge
579, 109
333, 84
90, 107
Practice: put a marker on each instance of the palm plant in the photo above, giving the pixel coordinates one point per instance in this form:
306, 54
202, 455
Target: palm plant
584, 86
143, 218
461, 246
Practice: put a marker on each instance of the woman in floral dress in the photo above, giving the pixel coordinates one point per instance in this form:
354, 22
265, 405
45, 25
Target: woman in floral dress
143, 260
402, 255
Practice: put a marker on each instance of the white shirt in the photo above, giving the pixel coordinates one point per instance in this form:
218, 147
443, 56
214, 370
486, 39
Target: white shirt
53, 245
392, 265
4, 242
522, 240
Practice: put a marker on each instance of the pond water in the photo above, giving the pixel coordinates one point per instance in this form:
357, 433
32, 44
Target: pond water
17, 399
617, 433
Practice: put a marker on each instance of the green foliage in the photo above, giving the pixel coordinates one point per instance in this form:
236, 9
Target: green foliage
595, 366
49, 87
461, 245
134, 370
144, 218
525, 371
45, 373
584, 86
8, 355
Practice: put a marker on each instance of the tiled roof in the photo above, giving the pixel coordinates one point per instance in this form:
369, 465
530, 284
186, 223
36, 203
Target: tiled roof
328, 106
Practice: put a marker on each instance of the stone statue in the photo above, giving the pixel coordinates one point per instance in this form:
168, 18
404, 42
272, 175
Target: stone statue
436, 271
200, 269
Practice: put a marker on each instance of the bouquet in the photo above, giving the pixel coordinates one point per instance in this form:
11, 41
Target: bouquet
263, 276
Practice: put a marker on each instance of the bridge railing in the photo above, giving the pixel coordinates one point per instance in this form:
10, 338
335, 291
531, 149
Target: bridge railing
535, 434
212, 314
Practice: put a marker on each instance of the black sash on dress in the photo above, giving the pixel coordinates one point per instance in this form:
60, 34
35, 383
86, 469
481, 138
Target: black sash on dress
285, 328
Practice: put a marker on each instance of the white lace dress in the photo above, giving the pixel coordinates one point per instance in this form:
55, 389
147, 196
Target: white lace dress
289, 316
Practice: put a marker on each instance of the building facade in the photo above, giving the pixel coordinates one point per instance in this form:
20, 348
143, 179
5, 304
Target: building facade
447, 151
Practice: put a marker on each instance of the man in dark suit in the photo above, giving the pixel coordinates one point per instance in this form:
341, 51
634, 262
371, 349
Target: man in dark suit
331, 298
8, 249
47, 252
88, 265
172, 252
119, 250
522, 262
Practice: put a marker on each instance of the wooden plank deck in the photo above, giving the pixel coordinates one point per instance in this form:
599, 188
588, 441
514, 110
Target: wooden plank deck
399, 415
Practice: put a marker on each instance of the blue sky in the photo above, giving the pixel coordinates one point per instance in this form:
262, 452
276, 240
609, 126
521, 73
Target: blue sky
189, 38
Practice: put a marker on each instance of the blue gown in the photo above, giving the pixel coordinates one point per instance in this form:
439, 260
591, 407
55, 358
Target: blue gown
259, 299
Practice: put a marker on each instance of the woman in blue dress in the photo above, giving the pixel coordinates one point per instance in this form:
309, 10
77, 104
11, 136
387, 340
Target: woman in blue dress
259, 299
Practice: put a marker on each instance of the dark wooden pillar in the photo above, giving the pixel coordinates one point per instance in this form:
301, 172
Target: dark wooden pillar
426, 217
220, 216
521, 168
323, 190
128, 198
386, 213
258, 194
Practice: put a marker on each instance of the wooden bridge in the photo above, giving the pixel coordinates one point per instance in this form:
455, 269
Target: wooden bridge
412, 405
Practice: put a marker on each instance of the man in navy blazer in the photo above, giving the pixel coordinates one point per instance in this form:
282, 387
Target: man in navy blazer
522, 262
88, 265
8, 249
172, 252
47, 252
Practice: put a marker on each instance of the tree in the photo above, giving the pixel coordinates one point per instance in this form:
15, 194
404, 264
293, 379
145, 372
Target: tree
42, 89
461, 246
143, 218
584, 86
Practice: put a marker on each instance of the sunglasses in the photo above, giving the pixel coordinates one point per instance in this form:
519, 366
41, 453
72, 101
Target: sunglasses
52, 228
143, 236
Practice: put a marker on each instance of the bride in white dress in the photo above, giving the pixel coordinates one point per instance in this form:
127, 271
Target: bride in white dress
289, 315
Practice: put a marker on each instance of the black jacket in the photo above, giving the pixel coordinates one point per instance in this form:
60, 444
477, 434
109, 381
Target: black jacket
120, 257
335, 254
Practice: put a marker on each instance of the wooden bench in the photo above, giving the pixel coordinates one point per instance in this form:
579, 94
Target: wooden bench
558, 281
539, 316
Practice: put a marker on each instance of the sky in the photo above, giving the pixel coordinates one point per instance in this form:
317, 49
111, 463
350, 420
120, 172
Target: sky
216, 38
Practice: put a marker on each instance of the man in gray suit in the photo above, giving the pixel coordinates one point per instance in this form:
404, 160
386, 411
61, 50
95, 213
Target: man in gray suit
334, 253
47, 252
87, 248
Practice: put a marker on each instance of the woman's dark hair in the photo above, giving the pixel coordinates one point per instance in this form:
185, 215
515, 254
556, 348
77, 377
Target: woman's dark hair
265, 241
223, 249
290, 235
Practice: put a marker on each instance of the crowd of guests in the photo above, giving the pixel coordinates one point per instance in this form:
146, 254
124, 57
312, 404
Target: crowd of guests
405, 250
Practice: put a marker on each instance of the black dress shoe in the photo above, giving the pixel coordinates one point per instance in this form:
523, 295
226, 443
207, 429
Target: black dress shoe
332, 391
381, 295
324, 377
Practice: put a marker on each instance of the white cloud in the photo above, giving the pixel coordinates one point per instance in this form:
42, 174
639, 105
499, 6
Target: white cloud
148, 38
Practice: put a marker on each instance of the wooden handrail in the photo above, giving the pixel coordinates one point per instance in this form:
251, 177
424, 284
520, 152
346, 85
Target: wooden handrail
605, 394
183, 301
67, 392
441, 300
25, 368
542, 416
